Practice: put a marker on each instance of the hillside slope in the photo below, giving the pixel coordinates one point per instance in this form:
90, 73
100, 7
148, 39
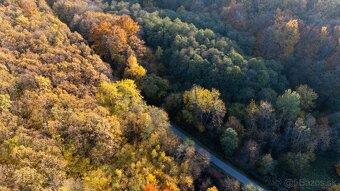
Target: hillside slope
64, 125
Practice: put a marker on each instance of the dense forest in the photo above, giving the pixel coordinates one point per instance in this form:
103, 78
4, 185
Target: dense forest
90, 88
62, 126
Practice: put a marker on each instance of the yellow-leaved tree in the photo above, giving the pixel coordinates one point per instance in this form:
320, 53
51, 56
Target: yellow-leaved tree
203, 106
134, 70
286, 33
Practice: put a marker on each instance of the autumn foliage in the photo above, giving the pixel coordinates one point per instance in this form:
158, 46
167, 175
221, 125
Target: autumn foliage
113, 37
150, 187
64, 124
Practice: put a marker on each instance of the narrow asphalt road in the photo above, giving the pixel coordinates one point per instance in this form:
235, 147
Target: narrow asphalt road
225, 167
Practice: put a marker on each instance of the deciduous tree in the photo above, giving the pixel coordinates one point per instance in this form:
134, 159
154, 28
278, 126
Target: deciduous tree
229, 141
133, 69
205, 106
307, 97
289, 104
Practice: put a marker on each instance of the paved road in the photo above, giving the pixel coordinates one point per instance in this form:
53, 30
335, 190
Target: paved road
225, 167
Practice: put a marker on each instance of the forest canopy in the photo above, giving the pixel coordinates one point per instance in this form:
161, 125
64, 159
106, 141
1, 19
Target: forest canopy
90, 88
66, 125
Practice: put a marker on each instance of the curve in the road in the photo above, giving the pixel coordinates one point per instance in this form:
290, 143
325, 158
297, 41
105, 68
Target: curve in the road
225, 167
